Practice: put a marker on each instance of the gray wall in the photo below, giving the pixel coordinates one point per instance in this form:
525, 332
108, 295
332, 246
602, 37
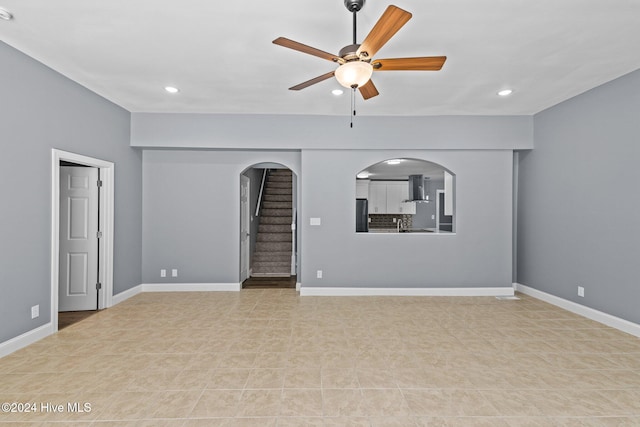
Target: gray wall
478, 255
41, 110
578, 200
286, 132
191, 220
191, 201
191, 212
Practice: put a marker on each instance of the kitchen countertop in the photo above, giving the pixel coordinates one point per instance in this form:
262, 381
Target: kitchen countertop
409, 231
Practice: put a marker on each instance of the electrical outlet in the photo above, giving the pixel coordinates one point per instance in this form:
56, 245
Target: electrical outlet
35, 311
174, 272
580, 291
163, 273
319, 274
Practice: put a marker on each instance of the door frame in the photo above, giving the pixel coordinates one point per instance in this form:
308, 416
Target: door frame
438, 193
246, 215
106, 225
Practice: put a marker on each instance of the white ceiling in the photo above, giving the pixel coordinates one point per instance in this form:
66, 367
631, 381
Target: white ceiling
221, 57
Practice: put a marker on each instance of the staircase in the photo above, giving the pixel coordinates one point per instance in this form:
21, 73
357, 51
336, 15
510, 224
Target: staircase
272, 256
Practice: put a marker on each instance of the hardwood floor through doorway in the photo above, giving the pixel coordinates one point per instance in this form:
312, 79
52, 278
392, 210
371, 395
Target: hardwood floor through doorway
287, 282
68, 318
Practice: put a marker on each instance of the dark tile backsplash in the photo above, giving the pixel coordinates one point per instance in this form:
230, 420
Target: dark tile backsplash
386, 220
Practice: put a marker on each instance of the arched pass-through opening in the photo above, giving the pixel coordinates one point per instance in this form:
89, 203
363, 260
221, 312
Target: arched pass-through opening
268, 236
404, 195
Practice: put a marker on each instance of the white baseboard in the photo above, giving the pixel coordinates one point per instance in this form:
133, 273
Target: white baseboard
123, 296
175, 287
28, 338
589, 313
298, 286
431, 292
191, 287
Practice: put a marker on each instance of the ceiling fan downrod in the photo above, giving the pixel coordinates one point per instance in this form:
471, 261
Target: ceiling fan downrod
354, 7
349, 52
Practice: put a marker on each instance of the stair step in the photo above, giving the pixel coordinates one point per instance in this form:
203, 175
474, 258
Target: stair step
275, 220
278, 184
259, 264
274, 270
277, 212
280, 180
276, 205
271, 256
274, 237
277, 190
274, 228
273, 246
278, 198
281, 174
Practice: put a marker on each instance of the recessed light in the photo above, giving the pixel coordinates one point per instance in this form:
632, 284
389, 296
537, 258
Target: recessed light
393, 162
337, 92
5, 14
505, 92
171, 89
363, 175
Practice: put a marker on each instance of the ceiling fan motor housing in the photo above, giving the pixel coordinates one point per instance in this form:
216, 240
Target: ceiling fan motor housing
354, 5
348, 53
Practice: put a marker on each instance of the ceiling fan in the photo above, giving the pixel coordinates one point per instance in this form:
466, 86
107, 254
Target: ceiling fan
356, 60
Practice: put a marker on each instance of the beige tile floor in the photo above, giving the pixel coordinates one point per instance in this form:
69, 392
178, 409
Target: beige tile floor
272, 358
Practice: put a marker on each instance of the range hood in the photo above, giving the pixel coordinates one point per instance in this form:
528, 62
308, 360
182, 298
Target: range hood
417, 189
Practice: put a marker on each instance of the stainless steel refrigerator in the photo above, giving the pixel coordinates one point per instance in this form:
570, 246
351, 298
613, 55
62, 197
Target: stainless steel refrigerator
362, 215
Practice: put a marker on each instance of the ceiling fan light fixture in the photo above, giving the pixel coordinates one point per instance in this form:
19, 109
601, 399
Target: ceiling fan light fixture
354, 74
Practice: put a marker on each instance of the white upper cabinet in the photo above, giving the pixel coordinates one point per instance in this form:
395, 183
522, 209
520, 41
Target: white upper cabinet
389, 197
397, 192
377, 197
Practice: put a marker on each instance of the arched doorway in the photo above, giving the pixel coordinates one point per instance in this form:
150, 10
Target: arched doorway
268, 226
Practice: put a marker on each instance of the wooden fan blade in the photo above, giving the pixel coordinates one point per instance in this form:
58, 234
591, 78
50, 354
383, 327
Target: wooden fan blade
282, 41
368, 90
312, 81
389, 23
425, 63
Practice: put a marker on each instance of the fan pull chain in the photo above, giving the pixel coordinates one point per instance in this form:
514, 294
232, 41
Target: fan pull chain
353, 105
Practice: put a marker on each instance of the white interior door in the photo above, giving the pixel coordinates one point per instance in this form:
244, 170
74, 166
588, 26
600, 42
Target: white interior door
245, 225
78, 268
